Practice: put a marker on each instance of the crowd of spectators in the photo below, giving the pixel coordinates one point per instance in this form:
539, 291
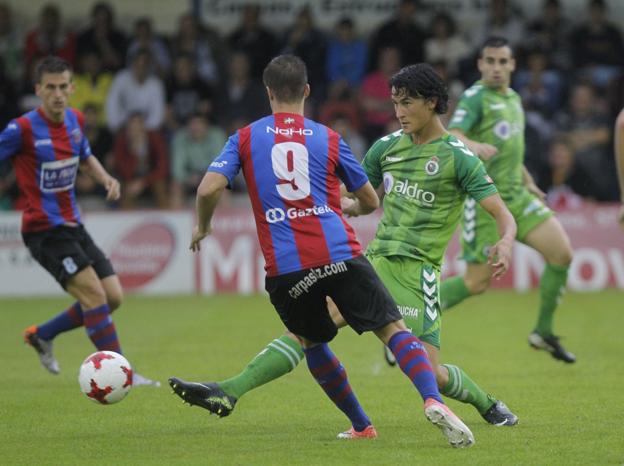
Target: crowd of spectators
158, 109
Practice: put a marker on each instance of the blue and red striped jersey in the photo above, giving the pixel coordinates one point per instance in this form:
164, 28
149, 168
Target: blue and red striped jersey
45, 157
293, 167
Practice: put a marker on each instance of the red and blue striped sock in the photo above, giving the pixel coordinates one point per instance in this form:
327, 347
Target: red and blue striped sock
101, 329
69, 319
332, 377
414, 362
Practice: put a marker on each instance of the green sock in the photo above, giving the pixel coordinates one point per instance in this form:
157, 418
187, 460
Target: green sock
452, 291
462, 388
278, 358
552, 285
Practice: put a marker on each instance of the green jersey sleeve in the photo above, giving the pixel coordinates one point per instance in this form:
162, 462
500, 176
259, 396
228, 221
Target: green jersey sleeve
470, 171
372, 159
469, 109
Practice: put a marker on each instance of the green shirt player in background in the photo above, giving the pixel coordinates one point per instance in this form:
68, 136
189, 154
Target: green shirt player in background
426, 174
489, 119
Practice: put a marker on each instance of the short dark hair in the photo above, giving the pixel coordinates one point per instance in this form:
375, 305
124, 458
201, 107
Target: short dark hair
495, 42
286, 76
421, 81
51, 64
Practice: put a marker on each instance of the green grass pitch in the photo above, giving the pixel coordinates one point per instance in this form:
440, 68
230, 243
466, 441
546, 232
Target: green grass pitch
569, 414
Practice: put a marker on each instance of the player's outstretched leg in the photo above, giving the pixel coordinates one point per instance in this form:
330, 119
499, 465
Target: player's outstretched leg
413, 361
332, 377
40, 336
462, 388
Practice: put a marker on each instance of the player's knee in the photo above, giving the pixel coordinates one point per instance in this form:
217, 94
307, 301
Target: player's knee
441, 376
92, 295
114, 299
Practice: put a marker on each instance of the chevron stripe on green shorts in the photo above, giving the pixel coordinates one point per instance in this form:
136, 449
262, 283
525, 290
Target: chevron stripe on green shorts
414, 285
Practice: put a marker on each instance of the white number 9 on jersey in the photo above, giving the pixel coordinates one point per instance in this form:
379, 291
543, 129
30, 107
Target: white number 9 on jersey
290, 165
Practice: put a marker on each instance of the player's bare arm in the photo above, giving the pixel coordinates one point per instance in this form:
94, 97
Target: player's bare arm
483, 150
366, 201
208, 195
95, 170
529, 182
500, 254
619, 160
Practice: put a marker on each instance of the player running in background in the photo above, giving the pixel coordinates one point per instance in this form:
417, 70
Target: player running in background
426, 174
489, 119
619, 160
46, 146
293, 167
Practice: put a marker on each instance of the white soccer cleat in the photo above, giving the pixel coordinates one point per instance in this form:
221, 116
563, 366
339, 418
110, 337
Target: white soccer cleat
139, 380
43, 349
456, 432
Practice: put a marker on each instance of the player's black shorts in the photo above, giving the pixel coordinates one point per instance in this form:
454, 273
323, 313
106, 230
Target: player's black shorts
64, 251
364, 302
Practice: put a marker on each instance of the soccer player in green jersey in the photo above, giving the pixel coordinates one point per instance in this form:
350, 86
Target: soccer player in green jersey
489, 119
426, 174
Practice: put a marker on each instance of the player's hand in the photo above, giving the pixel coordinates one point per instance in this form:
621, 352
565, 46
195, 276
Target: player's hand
532, 187
198, 235
113, 189
349, 207
484, 151
621, 216
500, 257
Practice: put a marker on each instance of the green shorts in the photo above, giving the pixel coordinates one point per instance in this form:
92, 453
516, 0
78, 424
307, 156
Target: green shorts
479, 230
415, 286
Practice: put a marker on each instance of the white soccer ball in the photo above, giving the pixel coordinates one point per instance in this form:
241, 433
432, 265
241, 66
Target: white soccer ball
105, 377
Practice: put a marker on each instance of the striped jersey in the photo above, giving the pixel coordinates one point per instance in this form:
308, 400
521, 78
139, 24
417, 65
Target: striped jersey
45, 157
293, 167
425, 186
486, 115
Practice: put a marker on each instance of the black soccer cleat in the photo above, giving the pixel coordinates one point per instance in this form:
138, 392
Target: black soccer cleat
207, 395
389, 356
500, 415
551, 344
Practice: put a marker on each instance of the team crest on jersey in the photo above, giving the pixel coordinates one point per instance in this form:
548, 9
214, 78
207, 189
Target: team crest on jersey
432, 166
76, 135
289, 120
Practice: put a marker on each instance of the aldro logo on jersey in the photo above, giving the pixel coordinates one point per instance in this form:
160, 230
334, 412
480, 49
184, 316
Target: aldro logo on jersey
405, 189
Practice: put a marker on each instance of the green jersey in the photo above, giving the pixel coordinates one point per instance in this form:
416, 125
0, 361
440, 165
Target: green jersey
425, 186
485, 115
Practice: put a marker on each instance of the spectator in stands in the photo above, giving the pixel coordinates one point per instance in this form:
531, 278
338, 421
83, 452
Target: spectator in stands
444, 44
375, 96
8, 103
103, 38
205, 47
186, 93
10, 46
91, 85
340, 103
8, 186
141, 161
194, 147
540, 86
342, 125
145, 39
251, 37
400, 32
49, 37
306, 41
565, 184
136, 89
598, 47
346, 56
242, 98
501, 21
550, 32
101, 142
589, 131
